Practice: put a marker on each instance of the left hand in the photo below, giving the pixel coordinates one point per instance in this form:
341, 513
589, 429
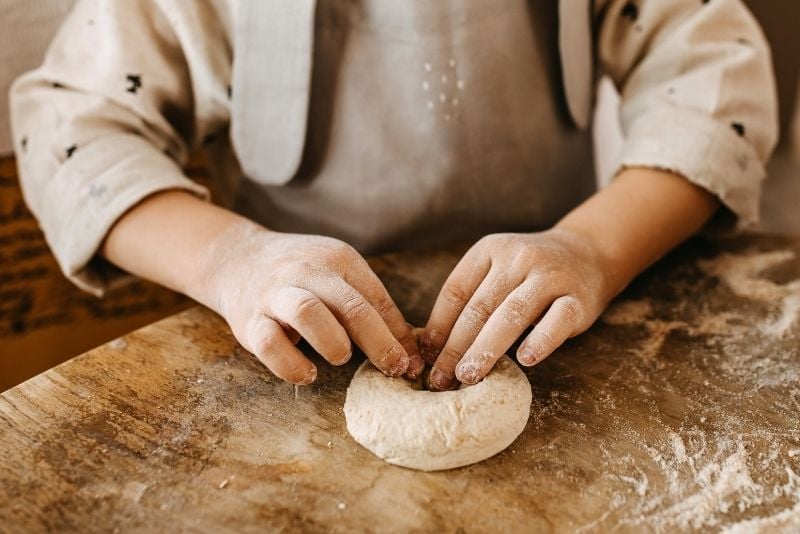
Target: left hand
556, 279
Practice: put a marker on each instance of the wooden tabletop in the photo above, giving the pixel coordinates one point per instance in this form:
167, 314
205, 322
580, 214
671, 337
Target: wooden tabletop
678, 410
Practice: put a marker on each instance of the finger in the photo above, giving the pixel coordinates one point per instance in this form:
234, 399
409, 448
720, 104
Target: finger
311, 319
268, 341
416, 365
456, 292
292, 334
492, 291
516, 313
364, 325
370, 286
564, 319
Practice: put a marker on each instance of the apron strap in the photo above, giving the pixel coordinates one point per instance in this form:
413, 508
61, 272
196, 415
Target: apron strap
575, 45
272, 79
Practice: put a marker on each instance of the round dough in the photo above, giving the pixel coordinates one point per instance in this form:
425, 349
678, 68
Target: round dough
405, 425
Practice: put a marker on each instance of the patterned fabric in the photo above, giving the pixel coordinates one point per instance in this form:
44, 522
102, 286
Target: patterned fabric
26, 28
130, 87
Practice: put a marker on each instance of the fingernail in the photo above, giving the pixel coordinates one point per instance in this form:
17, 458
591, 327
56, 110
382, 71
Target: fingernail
440, 380
468, 374
346, 358
310, 377
527, 356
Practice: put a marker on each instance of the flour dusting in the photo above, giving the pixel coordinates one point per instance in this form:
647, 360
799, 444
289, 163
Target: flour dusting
742, 273
702, 457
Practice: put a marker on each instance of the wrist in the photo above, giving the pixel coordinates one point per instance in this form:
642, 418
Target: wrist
638, 218
601, 253
225, 252
178, 241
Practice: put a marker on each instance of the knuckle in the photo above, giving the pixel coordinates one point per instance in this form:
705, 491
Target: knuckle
288, 271
342, 251
455, 295
307, 308
266, 345
384, 307
478, 312
492, 239
355, 309
573, 310
530, 291
517, 313
521, 261
546, 338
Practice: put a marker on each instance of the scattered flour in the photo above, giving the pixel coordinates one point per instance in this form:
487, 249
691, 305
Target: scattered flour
118, 344
784, 521
712, 468
628, 312
700, 485
742, 274
715, 483
790, 311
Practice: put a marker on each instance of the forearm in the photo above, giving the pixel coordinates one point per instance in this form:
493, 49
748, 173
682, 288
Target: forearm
167, 238
638, 218
271, 288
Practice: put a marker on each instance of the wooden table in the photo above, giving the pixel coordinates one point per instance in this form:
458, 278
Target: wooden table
679, 409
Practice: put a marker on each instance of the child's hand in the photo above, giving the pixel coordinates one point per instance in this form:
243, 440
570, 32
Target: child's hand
273, 288
504, 284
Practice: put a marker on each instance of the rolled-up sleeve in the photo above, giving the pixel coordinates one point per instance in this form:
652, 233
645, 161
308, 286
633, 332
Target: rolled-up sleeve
698, 94
108, 119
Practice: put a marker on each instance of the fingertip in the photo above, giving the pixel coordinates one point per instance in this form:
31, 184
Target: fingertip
411, 346
440, 381
467, 373
528, 357
311, 376
415, 367
344, 359
399, 367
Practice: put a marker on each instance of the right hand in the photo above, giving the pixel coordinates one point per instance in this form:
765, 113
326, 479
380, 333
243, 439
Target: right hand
273, 288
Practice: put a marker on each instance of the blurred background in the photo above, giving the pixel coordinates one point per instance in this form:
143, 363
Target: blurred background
44, 320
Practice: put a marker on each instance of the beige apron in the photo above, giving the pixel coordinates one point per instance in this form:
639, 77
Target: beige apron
397, 124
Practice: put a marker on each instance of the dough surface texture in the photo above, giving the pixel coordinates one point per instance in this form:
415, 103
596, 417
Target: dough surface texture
406, 425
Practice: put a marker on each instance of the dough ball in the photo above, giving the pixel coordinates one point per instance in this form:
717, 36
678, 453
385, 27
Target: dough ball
405, 425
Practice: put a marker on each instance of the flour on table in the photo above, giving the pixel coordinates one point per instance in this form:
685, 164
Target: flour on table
702, 467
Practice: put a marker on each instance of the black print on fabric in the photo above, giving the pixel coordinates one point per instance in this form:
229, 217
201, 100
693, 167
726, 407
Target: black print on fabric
134, 83
630, 11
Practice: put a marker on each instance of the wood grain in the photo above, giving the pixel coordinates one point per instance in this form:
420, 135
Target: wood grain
44, 319
678, 410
